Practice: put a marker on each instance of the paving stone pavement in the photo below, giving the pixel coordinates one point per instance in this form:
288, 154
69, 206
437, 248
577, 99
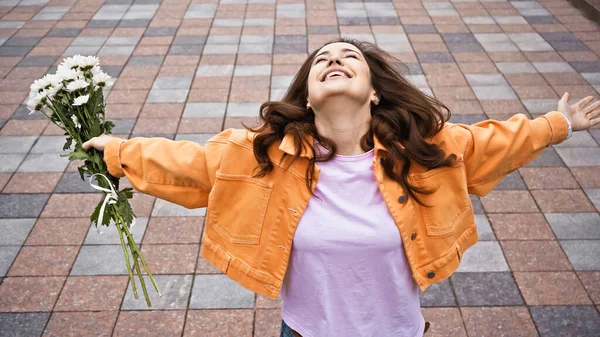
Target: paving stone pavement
187, 69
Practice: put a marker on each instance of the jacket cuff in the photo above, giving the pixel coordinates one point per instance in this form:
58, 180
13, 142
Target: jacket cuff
558, 125
112, 157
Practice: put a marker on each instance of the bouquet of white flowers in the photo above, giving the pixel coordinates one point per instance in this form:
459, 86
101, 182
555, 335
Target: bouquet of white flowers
73, 100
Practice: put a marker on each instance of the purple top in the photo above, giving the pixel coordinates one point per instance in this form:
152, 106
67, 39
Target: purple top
348, 275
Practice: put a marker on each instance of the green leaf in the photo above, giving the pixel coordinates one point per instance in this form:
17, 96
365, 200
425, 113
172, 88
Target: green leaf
68, 143
82, 170
95, 215
78, 155
125, 210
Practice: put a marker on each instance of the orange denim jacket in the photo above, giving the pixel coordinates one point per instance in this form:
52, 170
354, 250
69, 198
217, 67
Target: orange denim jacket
250, 222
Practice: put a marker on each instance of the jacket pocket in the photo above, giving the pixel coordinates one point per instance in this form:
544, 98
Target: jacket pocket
449, 202
237, 205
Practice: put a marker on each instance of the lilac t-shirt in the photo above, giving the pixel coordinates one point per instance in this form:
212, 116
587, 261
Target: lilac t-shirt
348, 274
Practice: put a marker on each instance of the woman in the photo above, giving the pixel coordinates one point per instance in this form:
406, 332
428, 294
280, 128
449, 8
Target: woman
361, 172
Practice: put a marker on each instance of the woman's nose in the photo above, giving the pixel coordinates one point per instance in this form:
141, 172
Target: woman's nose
335, 59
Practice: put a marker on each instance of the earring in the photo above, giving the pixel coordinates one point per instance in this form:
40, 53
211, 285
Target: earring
307, 105
375, 100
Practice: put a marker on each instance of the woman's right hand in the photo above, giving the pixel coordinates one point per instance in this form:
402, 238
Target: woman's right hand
97, 143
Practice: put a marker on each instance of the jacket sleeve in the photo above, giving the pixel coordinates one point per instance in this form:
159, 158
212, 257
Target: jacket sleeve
493, 149
181, 172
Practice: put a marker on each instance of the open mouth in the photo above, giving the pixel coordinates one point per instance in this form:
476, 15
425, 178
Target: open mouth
335, 74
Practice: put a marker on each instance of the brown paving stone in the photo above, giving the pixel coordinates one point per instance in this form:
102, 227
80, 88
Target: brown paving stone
591, 283
28, 294
579, 56
162, 110
181, 60
171, 259
208, 95
246, 95
140, 203
236, 122
133, 83
139, 71
111, 60
32, 182
127, 96
267, 322
505, 56
509, 202
525, 79
200, 125
548, 177
543, 56
587, 177
120, 111
71, 205
205, 267
151, 50
498, 321
264, 302
464, 107
562, 201
212, 82
6, 110
219, 323
58, 231
576, 90
177, 71
535, 92
44, 261
250, 82
77, 324
92, 293
52, 130
284, 69
479, 57
444, 322
217, 59
564, 78
509, 107
526, 226
535, 256
167, 230
15, 127
156, 40
154, 126
150, 323
4, 177
551, 288
478, 67
453, 93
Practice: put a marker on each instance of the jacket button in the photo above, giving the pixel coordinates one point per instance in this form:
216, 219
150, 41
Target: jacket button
431, 274
402, 199
413, 236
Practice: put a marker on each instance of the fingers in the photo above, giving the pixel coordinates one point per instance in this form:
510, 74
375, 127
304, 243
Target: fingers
565, 97
592, 107
86, 145
585, 101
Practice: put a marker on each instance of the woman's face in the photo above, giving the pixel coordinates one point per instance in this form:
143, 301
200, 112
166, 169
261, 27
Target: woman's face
339, 69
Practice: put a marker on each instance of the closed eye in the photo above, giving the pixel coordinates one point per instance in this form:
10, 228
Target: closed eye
352, 55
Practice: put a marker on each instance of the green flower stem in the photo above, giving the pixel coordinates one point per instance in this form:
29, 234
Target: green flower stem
141, 276
134, 247
118, 225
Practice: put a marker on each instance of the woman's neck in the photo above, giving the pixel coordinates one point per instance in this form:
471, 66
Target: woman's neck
344, 128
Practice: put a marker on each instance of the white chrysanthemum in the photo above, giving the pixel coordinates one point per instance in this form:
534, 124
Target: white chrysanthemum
52, 91
71, 62
81, 100
88, 62
75, 121
36, 101
77, 85
40, 84
68, 74
101, 79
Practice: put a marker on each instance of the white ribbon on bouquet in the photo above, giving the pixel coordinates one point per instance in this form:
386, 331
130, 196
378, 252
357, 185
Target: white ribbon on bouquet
110, 198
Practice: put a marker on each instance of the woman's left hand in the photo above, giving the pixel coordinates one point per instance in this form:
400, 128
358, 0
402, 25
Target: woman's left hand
582, 114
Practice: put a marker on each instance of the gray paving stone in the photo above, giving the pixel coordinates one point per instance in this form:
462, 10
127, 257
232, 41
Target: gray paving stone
486, 289
37, 61
243, 109
175, 290
516, 67
21, 41
511, 181
15, 231
561, 321
580, 156
116, 50
214, 70
592, 78
166, 208
220, 49
384, 20
228, 22
323, 29
83, 50
258, 22
145, 60
11, 24
23, 324
22, 205
530, 42
200, 138
435, 57
123, 126
10, 162
257, 39
484, 256
43, 162
510, 20
189, 40
289, 48
113, 71
461, 47
476, 202
204, 110
160, 31
135, 23
161, 83
14, 51
352, 20
467, 119
285, 39
110, 236
255, 49
167, 95
483, 228
586, 67
122, 41
574, 225
594, 195
583, 254
494, 92
493, 42
540, 19
219, 292
553, 67
414, 68
439, 294
485, 79
548, 158
478, 20
420, 29
71, 182
579, 139
89, 41
252, 70
16, 144
539, 105
186, 49
101, 260
223, 39
7, 256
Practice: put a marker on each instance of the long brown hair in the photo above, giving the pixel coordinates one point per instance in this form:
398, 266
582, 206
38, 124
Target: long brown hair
404, 116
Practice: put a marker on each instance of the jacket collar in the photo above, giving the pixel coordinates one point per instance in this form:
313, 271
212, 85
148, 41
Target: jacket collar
287, 145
